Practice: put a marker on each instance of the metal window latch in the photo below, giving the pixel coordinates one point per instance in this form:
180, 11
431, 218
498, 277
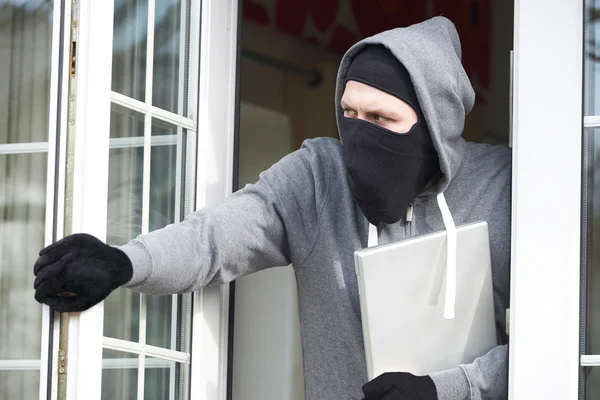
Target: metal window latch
73, 59
62, 362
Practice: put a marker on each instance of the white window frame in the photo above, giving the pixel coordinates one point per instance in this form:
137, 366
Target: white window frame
546, 214
59, 66
216, 120
90, 183
214, 176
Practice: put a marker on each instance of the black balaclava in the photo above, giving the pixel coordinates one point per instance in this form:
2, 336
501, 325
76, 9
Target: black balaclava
386, 170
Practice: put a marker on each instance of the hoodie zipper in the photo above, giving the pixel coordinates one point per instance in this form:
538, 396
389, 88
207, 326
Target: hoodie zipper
410, 220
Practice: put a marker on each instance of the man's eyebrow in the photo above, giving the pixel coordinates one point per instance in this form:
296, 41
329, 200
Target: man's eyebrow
374, 110
382, 111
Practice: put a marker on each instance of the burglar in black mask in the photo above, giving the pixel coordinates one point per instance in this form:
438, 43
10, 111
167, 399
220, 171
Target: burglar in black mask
401, 101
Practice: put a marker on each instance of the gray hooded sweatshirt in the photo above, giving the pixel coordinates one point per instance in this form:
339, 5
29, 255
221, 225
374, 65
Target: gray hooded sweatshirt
301, 212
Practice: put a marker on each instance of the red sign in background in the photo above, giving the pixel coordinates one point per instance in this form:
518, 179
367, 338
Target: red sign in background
471, 17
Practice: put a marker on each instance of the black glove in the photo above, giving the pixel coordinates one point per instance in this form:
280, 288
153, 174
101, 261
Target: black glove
400, 386
78, 272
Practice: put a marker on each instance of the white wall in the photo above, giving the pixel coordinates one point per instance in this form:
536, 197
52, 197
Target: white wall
267, 360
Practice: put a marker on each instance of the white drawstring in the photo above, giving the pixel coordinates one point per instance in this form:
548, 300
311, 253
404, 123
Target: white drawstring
450, 299
373, 236
451, 257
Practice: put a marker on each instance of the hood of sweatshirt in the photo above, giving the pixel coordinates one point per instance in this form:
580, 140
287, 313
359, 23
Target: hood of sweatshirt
431, 53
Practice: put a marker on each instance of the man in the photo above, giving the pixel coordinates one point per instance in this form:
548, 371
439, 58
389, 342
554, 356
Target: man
401, 102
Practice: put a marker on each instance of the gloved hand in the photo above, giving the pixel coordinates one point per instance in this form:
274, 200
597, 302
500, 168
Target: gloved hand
400, 386
78, 272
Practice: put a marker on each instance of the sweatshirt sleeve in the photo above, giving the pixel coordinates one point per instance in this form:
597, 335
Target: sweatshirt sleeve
271, 223
486, 378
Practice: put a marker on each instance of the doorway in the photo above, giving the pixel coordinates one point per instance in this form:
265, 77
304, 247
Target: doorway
290, 56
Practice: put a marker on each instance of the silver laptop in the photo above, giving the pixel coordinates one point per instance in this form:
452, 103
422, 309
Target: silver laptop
402, 288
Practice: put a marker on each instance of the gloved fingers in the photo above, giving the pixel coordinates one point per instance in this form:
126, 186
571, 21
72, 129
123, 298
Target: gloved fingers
66, 298
74, 240
64, 242
57, 285
65, 304
379, 385
391, 393
50, 258
53, 270
396, 393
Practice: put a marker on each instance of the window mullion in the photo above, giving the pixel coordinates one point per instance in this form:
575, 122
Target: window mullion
142, 341
172, 118
129, 103
183, 34
146, 179
133, 141
19, 365
24, 148
591, 121
174, 329
125, 346
590, 360
146, 108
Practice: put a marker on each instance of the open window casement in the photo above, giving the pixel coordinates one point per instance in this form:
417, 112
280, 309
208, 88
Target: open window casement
142, 106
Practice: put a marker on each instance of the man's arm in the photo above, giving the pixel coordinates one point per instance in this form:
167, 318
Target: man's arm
485, 378
249, 231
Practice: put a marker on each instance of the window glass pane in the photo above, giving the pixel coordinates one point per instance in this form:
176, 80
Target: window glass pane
162, 212
592, 382
119, 376
163, 378
158, 378
159, 321
163, 313
592, 67
25, 54
19, 385
124, 219
129, 48
163, 178
592, 138
22, 221
125, 123
169, 90
169, 321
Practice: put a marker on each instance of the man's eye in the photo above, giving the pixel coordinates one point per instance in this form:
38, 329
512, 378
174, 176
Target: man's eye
380, 119
349, 113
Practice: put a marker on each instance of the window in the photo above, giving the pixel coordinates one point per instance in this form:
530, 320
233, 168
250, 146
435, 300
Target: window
153, 140
100, 133
150, 185
26, 49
